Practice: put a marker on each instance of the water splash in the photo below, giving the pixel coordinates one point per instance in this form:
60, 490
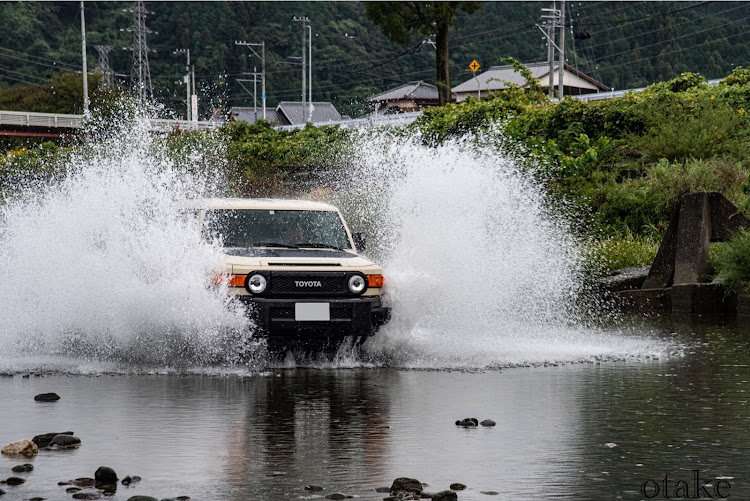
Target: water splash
103, 266
480, 272
100, 270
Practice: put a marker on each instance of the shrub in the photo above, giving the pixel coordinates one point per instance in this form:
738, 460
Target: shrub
733, 261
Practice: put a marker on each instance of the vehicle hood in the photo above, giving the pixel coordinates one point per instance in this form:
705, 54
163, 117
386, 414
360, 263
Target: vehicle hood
243, 260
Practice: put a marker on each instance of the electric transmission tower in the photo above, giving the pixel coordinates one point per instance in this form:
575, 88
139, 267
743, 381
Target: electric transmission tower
108, 79
140, 75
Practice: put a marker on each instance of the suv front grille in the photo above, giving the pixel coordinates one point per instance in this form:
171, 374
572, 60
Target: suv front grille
311, 283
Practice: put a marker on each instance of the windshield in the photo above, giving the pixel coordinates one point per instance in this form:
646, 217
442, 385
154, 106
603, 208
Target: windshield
276, 228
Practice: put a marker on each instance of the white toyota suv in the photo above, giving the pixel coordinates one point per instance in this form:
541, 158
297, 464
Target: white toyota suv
295, 264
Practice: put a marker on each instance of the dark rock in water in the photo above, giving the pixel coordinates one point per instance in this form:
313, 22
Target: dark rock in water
84, 482
457, 486
65, 441
488, 422
73, 490
426, 495
467, 422
47, 397
445, 496
105, 475
14, 481
44, 439
2, 492
131, 479
382, 489
338, 495
142, 498
406, 485
489, 493
87, 495
36, 499
182, 498
313, 488
23, 468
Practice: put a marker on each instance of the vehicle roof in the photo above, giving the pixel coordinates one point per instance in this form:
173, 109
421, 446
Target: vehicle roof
259, 203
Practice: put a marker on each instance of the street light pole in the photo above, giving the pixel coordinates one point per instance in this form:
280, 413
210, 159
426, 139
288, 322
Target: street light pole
85, 69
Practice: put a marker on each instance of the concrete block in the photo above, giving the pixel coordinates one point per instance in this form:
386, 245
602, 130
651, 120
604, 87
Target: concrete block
702, 299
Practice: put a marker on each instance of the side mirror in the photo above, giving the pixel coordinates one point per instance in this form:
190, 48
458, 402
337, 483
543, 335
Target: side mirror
360, 240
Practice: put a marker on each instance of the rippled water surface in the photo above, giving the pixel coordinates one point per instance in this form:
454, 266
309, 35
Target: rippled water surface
574, 431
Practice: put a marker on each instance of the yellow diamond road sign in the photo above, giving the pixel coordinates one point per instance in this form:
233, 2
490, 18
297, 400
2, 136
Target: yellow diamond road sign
474, 66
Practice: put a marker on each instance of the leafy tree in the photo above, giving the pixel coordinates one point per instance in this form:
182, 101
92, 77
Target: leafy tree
400, 21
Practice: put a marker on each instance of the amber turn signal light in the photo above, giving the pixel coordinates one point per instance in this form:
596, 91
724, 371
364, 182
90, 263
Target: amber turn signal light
375, 281
232, 280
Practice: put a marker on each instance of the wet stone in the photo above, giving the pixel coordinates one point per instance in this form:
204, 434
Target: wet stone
445, 496
406, 485
87, 495
44, 439
84, 482
73, 490
313, 488
25, 447
105, 475
468, 422
338, 495
65, 441
36, 499
489, 493
47, 397
382, 489
488, 422
2, 492
142, 498
23, 468
458, 486
131, 479
15, 481
182, 498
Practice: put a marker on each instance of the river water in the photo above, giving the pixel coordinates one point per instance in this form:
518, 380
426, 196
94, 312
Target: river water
589, 430
104, 301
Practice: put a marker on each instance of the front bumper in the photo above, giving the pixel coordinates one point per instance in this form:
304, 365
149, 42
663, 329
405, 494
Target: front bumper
349, 317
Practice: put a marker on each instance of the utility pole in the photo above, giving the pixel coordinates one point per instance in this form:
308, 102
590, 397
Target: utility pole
107, 73
186, 79
85, 68
194, 97
303, 21
140, 75
552, 15
561, 87
309, 72
262, 57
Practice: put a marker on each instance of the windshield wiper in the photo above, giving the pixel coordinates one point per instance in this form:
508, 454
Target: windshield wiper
318, 245
273, 244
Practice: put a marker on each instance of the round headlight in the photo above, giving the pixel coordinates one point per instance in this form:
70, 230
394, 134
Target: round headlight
357, 284
256, 283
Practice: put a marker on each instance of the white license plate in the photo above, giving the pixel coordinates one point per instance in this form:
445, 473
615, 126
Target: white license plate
312, 312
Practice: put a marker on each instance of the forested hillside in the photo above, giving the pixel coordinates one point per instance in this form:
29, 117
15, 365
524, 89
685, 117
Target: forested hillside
622, 44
